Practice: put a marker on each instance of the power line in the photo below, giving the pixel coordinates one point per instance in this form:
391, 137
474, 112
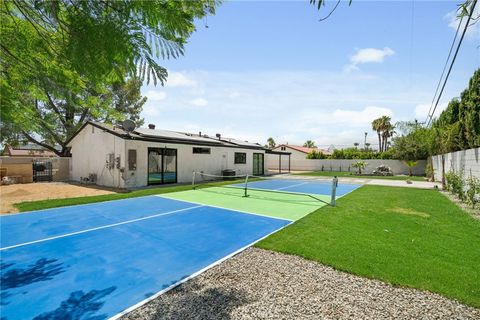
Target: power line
443, 71
429, 119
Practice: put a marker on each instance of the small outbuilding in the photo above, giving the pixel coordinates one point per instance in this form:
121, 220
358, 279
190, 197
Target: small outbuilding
121, 157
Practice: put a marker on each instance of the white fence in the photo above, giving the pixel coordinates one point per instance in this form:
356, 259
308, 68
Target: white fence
467, 161
397, 166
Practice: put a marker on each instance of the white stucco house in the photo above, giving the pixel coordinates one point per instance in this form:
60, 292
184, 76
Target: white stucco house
111, 156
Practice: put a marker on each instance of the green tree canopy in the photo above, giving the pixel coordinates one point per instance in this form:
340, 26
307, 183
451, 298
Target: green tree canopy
309, 144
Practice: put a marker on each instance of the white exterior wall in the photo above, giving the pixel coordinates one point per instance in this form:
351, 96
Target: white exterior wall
89, 152
220, 158
398, 167
467, 161
89, 155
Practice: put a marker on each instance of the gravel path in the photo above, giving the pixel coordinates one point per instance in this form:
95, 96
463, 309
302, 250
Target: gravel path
260, 284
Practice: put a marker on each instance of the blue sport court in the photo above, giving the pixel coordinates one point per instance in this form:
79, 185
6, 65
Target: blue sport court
100, 260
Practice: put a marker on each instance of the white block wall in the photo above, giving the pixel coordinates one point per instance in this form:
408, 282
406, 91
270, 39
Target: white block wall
397, 166
466, 160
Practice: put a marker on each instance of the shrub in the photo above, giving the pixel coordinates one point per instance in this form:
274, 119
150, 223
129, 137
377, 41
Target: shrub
383, 170
314, 154
429, 170
360, 165
455, 184
472, 194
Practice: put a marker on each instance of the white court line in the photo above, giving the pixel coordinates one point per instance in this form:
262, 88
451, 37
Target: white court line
176, 284
295, 185
100, 228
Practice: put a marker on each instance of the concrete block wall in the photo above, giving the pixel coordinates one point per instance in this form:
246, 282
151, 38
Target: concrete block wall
397, 166
467, 161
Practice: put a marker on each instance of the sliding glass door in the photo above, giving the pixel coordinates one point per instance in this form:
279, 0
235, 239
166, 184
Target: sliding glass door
162, 166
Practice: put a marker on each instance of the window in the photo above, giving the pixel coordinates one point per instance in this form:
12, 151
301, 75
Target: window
132, 159
240, 157
201, 150
283, 148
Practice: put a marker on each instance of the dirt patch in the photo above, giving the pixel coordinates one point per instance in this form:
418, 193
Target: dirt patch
410, 212
11, 194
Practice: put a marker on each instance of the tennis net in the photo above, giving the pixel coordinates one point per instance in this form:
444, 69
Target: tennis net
275, 187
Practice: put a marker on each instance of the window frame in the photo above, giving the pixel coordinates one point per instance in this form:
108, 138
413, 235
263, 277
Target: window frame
201, 149
242, 161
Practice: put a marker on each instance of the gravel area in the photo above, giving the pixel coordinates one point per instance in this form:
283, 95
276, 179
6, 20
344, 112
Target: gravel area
260, 284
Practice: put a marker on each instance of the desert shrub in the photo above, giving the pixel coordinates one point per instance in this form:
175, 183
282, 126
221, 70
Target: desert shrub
429, 170
360, 165
472, 194
314, 154
455, 184
383, 170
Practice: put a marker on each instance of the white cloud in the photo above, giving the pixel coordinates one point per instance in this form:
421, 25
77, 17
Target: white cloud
153, 95
368, 55
344, 117
421, 110
199, 102
289, 105
179, 79
473, 30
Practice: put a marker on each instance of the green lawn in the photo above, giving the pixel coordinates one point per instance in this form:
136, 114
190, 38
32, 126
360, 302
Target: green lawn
53, 203
409, 237
351, 175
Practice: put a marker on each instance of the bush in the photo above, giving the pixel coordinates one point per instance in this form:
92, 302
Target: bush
383, 170
316, 155
455, 184
473, 191
360, 165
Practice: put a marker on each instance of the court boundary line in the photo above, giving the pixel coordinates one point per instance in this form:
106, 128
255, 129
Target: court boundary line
101, 227
235, 210
293, 185
193, 275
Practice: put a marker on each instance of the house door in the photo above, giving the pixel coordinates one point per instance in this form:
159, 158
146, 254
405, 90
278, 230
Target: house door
162, 166
258, 165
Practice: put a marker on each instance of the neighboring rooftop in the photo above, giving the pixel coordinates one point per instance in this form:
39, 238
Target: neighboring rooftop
28, 150
305, 150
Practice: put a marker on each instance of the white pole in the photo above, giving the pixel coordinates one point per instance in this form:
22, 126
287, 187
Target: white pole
333, 201
193, 180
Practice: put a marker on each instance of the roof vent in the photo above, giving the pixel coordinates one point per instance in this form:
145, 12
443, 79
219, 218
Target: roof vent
218, 135
151, 126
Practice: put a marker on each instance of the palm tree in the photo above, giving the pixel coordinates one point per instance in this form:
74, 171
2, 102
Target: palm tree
367, 146
356, 144
384, 129
309, 144
377, 126
410, 164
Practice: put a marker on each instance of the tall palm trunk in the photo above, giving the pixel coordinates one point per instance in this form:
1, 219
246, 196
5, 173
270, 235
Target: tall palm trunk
380, 146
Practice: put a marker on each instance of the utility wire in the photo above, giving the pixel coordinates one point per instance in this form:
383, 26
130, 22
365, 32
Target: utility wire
453, 61
443, 71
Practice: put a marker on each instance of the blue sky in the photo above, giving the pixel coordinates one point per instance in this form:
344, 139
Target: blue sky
270, 68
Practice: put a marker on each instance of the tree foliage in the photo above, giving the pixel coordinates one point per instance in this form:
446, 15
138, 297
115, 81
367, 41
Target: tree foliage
66, 61
309, 144
385, 130
270, 143
457, 128
99, 38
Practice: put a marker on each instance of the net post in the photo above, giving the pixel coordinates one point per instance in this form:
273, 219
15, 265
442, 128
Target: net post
333, 201
246, 186
193, 180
